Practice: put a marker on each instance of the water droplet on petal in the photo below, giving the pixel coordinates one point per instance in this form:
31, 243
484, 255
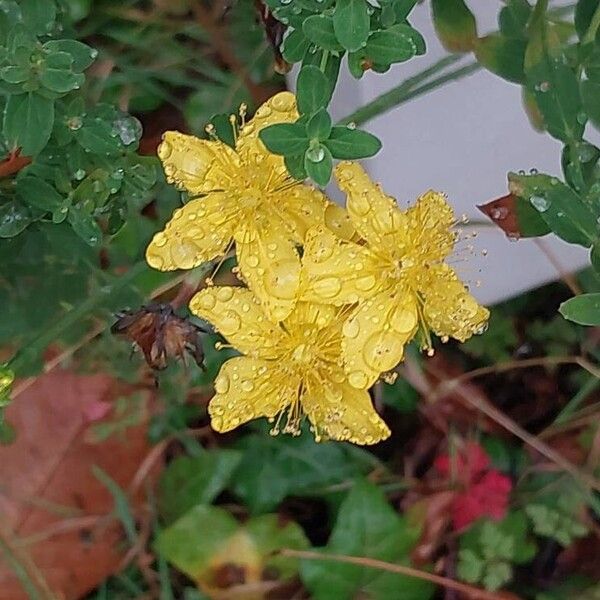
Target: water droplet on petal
222, 383
358, 379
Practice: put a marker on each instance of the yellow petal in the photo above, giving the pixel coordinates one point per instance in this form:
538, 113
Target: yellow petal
338, 220
268, 171
301, 208
375, 215
429, 231
449, 309
199, 231
271, 266
342, 412
237, 314
375, 336
248, 388
309, 313
337, 272
198, 166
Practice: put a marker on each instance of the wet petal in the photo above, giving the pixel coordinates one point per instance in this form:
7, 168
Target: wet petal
248, 388
267, 171
301, 207
198, 166
199, 231
238, 315
341, 412
375, 336
338, 220
271, 266
320, 315
337, 272
429, 231
375, 215
449, 309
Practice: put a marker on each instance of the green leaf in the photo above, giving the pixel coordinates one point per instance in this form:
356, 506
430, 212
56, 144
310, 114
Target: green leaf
28, 121
284, 138
291, 466
319, 126
366, 526
85, 225
595, 257
584, 11
560, 207
83, 56
38, 15
590, 92
396, 44
455, 25
556, 90
61, 80
350, 144
96, 136
295, 166
319, 30
39, 194
502, 56
14, 218
351, 23
295, 46
513, 18
312, 91
122, 508
189, 481
318, 164
583, 309
208, 538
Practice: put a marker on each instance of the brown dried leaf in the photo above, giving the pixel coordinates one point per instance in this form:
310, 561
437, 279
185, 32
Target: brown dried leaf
503, 212
53, 510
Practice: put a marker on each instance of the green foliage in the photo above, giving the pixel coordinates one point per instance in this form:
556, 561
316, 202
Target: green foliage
455, 25
584, 309
366, 526
225, 541
319, 33
555, 517
489, 550
189, 481
310, 144
292, 467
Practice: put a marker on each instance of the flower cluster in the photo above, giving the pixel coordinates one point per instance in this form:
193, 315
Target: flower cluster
332, 296
483, 491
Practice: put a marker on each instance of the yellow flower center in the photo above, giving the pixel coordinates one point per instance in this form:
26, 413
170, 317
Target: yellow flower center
250, 199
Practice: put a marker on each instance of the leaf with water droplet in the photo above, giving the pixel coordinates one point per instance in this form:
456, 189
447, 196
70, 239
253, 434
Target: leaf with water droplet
14, 218
319, 164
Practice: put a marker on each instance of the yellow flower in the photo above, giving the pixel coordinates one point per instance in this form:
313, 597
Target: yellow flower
289, 369
397, 276
247, 196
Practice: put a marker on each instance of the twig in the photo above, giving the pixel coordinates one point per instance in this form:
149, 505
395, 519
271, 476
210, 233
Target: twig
567, 278
381, 565
480, 403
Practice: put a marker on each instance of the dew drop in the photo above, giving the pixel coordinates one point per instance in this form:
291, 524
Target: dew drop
358, 379
540, 203
222, 384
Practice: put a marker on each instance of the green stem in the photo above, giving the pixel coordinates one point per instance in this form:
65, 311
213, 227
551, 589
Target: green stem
586, 389
324, 59
590, 34
410, 89
37, 346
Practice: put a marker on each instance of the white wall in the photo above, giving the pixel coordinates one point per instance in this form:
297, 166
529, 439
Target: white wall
462, 139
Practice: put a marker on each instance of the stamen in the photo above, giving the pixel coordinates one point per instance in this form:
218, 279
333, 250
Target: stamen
234, 127
243, 111
212, 134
